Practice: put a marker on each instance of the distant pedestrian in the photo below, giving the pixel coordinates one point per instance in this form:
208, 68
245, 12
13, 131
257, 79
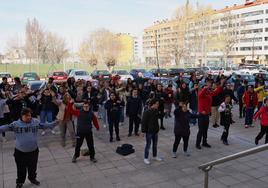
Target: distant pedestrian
250, 101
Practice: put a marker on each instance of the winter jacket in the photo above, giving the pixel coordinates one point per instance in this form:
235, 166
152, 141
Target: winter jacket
85, 120
134, 106
261, 93
181, 122
205, 99
169, 96
150, 121
263, 113
250, 103
225, 114
113, 110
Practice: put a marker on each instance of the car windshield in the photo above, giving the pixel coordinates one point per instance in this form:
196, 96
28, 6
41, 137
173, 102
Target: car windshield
5, 75
81, 73
35, 86
102, 72
249, 78
29, 74
121, 72
141, 70
59, 74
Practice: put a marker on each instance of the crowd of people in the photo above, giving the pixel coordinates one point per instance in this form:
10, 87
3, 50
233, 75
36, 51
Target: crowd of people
145, 102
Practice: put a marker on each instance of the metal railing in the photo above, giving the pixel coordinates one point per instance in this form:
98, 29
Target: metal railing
208, 166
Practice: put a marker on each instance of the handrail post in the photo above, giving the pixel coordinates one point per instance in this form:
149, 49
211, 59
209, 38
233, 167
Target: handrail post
206, 170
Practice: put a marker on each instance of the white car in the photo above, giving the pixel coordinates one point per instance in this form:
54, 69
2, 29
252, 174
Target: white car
124, 75
213, 70
249, 70
7, 75
80, 75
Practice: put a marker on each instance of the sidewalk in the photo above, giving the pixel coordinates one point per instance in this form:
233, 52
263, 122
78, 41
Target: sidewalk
114, 171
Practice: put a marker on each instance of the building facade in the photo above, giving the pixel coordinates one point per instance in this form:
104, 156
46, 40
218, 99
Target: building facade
235, 34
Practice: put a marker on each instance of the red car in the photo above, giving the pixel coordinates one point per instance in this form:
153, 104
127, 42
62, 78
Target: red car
59, 76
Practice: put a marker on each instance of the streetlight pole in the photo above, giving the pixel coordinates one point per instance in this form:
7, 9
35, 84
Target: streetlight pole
156, 52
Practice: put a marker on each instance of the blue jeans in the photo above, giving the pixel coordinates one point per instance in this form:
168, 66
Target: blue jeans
149, 138
249, 116
46, 116
102, 113
193, 120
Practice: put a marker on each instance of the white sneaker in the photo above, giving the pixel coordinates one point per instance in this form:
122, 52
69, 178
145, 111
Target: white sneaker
104, 126
174, 155
53, 132
146, 161
246, 126
43, 133
187, 154
157, 159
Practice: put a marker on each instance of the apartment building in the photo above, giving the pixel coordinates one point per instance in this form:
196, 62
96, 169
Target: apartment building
245, 30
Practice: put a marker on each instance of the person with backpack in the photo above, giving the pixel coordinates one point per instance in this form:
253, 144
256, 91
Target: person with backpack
85, 118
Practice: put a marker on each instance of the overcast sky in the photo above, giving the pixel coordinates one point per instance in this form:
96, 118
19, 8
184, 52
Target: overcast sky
73, 19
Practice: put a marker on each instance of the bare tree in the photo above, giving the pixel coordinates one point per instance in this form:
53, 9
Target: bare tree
56, 48
101, 46
34, 40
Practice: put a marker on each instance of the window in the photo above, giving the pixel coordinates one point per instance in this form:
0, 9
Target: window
253, 22
265, 47
254, 13
250, 48
259, 39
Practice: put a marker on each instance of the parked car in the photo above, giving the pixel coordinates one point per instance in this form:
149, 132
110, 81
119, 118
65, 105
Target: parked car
58, 76
80, 75
68, 71
197, 71
123, 74
29, 76
7, 75
175, 72
213, 70
165, 82
135, 72
101, 74
249, 78
159, 72
249, 70
36, 85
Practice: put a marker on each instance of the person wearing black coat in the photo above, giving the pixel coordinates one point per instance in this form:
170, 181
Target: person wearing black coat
133, 111
182, 128
159, 95
113, 106
91, 95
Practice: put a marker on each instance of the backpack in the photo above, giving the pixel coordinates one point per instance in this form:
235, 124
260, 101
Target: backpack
125, 149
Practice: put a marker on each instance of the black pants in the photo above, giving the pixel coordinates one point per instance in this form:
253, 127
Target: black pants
241, 108
90, 144
225, 133
136, 121
26, 161
113, 125
264, 130
178, 140
203, 122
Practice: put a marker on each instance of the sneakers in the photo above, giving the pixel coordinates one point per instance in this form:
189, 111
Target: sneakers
35, 182
93, 160
207, 145
246, 126
174, 155
43, 133
19, 185
157, 159
187, 154
53, 132
146, 161
163, 128
74, 159
118, 138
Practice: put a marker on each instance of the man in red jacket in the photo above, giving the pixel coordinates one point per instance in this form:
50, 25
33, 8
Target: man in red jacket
250, 101
204, 109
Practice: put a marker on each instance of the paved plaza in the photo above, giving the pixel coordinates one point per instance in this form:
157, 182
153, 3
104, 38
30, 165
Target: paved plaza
55, 169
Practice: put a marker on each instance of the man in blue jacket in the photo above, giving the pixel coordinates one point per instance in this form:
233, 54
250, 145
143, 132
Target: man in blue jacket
26, 150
